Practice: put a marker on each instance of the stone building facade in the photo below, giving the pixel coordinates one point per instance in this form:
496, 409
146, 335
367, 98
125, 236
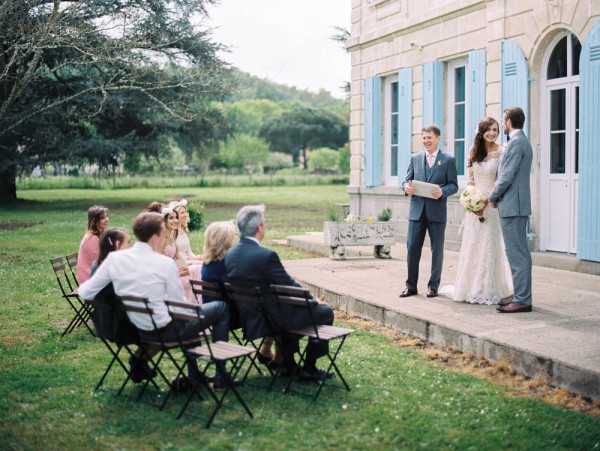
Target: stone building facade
452, 62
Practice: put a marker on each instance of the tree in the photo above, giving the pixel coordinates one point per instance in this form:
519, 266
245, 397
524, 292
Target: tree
249, 115
95, 81
244, 151
299, 130
323, 159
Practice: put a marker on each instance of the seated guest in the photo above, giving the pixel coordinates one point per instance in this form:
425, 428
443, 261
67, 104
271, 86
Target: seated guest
183, 233
109, 319
169, 248
89, 248
112, 239
250, 265
154, 207
219, 237
143, 271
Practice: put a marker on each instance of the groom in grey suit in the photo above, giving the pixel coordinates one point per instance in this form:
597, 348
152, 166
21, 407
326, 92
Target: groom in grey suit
428, 215
512, 196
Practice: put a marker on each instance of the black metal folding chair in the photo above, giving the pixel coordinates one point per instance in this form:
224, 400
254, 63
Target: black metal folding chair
251, 296
301, 297
216, 290
217, 352
72, 263
135, 304
116, 332
67, 287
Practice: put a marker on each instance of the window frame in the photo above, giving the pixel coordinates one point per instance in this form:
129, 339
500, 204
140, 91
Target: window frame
451, 119
389, 116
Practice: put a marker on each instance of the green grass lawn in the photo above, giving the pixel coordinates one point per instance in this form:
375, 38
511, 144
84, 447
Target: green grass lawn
399, 399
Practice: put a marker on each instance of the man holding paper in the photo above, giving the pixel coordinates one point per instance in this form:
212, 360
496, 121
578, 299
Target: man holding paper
430, 179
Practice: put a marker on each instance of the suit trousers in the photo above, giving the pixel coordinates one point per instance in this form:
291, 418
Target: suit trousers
514, 231
414, 241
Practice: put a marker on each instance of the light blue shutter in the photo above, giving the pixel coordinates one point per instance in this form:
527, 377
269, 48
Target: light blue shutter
476, 86
405, 120
588, 211
372, 128
433, 95
515, 82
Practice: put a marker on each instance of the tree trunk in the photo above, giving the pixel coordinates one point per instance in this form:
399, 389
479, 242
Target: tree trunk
8, 185
304, 159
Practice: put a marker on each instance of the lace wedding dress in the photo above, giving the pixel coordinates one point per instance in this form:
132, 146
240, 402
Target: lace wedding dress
483, 274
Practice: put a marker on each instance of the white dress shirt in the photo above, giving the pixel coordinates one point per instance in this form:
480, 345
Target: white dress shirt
138, 271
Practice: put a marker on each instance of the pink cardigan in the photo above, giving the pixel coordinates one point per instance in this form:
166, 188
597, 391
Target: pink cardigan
89, 249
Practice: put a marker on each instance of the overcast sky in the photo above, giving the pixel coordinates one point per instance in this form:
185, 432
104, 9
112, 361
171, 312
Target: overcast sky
286, 41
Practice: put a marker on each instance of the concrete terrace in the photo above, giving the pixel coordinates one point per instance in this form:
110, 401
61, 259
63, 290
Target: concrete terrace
560, 337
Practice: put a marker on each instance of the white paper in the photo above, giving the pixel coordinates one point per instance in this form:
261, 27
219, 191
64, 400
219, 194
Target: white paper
424, 189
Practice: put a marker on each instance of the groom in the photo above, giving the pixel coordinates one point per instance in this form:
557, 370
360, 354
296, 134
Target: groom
428, 214
511, 195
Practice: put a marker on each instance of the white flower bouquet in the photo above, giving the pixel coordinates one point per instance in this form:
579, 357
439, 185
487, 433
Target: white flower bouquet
472, 200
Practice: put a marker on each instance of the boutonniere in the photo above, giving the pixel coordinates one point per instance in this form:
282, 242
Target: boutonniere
439, 163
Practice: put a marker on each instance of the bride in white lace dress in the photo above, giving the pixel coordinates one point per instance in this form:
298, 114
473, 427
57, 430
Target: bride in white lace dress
483, 274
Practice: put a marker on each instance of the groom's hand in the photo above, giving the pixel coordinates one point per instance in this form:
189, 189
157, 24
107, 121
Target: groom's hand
408, 189
494, 205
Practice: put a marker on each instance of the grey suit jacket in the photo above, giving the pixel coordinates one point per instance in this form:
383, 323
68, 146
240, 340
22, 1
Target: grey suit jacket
512, 190
443, 173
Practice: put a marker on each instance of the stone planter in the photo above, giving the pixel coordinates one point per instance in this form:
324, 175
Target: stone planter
340, 234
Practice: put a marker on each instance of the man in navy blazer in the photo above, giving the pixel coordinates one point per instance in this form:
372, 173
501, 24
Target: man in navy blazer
425, 214
512, 196
250, 265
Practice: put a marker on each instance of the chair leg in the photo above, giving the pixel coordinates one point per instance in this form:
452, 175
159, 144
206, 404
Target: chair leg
219, 400
333, 365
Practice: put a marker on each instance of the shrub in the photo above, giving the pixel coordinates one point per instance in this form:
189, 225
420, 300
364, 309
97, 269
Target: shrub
385, 215
323, 159
196, 218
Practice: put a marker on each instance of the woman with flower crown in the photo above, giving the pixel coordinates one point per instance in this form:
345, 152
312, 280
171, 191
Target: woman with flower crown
183, 233
169, 248
483, 274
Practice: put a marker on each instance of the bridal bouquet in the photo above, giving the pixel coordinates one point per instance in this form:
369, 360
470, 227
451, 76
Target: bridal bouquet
473, 201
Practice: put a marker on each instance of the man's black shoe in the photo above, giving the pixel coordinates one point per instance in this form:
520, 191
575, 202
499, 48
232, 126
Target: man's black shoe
287, 371
408, 292
140, 370
314, 375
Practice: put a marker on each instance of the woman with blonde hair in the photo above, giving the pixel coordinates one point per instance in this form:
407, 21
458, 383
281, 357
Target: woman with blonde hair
183, 233
89, 248
219, 237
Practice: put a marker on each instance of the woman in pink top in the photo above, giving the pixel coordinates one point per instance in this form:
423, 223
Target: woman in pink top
89, 248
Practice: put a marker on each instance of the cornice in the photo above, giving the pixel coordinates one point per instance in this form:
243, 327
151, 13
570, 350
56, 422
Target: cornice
354, 44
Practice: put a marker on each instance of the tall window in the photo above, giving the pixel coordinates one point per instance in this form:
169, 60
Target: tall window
457, 113
391, 130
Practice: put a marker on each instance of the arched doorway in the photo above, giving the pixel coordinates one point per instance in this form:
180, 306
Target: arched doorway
559, 157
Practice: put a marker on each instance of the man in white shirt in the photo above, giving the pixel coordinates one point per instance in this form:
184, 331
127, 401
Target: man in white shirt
143, 271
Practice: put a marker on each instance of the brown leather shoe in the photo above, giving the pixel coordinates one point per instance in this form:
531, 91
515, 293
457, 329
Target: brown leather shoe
408, 292
431, 293
505, 301
514, 308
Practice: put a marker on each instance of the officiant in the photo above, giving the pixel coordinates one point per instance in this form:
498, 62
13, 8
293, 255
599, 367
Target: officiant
428, 208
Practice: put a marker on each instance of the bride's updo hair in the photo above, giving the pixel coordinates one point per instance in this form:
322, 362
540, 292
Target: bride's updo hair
478, 151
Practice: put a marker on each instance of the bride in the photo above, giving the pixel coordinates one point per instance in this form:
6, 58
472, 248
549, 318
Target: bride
483, 274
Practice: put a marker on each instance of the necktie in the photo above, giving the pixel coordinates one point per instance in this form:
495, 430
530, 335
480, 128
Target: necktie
430, 160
